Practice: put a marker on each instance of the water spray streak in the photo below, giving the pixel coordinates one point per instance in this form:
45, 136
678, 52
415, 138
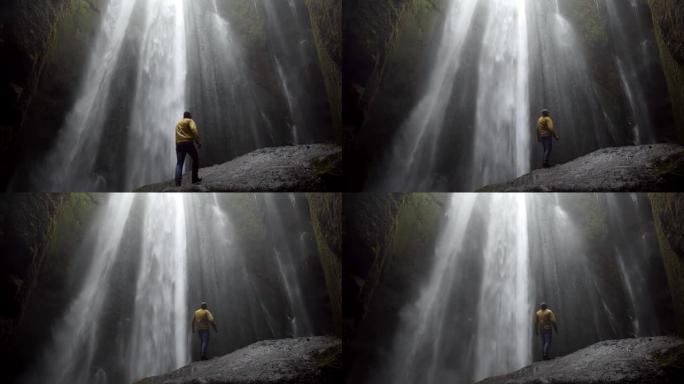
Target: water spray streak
522, 56
514, 251
150, 261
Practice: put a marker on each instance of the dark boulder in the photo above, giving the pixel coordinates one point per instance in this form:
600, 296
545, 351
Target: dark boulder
645, 360
305, 360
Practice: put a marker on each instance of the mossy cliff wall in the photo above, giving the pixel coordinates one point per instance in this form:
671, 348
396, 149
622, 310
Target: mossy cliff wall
386, 46
33, 229
668, 17
383, 233
29, 32
387, 239
668, 214
326, 24
326, 218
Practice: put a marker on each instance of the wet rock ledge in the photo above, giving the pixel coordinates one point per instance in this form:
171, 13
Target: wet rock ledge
303, 168
646, 168
645, 360
306, 360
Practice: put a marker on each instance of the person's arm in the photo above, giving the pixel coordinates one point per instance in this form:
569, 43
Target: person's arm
552, 128
536, 324
193, 323
212, 322
554, 322
195, 132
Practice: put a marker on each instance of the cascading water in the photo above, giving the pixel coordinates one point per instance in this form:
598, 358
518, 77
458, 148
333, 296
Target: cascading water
294, 59
499, 256
151, 260
151, 61
498, 64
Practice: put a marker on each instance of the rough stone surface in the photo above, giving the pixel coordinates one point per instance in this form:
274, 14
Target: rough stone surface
304, 168
326, 25
668, 18
668, 215
645, 360
306, 360
326, 219
648, 168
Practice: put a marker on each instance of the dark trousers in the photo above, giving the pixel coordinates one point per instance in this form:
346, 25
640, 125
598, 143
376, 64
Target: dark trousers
546, 339
204, 342
547, 143
183, 149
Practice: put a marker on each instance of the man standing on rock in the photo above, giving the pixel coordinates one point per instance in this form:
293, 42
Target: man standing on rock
201, 321
545, 135
545, 323
186, 137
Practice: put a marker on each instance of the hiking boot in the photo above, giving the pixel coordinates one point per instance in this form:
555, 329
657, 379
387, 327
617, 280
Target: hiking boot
203, 357
197, 181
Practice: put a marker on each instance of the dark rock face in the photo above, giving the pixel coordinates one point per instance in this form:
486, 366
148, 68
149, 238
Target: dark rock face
668, 214
326, 25
308, 360
326, 219
30, 41
386, 43
32, 228
645, 360
387, 237
668, 17
304, 168
649, 168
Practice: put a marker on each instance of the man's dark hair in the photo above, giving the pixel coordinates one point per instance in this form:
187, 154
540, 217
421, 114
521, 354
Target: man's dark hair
545, 112
187, 115
203, 305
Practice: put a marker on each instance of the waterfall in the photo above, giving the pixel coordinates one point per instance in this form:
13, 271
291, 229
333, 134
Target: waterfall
151, 259
158, 342
296, 68
498, 256
153, 60
498, 64
288, 257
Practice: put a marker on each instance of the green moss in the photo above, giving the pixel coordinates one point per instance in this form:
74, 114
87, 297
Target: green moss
330, 358
326, 219
326, 24
673, 359
672, 167
662, 205
674, 73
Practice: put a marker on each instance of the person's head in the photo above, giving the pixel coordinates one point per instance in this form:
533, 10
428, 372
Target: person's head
545, 112
204, 305
543, 306
187, 115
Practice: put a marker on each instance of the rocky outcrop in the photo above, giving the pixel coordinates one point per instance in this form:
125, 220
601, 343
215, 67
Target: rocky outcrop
304, 168
668, 18
646, 360
309, 360
668, 214
326, 218
648, 168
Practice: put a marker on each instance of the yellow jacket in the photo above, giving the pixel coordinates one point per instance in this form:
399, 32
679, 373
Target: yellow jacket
186, 130
545, 320
545, 127
202, 319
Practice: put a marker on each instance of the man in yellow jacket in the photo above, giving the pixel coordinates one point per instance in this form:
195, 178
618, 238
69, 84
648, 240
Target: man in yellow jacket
201, 321
545, 323
186, 137
546, 132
